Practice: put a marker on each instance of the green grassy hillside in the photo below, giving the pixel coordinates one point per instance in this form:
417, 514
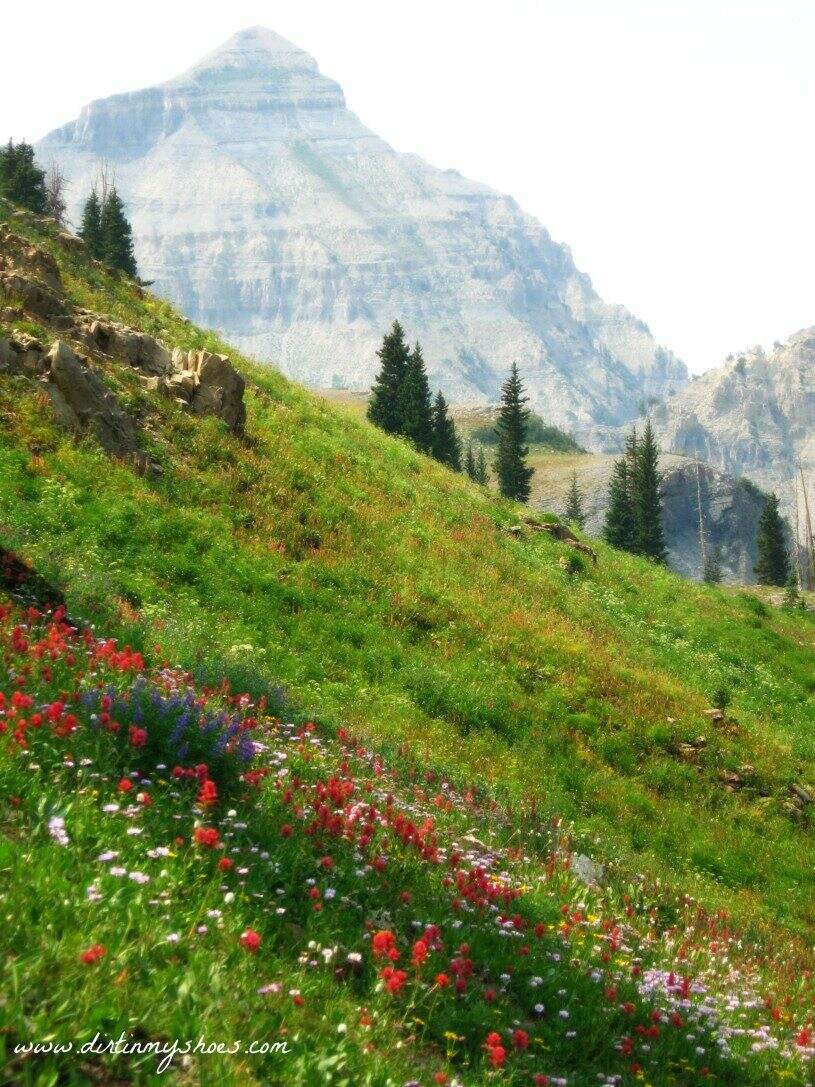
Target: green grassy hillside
387, 598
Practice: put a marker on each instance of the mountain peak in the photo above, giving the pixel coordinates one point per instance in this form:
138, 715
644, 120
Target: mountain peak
256, 48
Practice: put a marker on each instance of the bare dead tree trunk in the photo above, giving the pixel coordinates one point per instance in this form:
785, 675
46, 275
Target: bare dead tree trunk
810, 555
702, 543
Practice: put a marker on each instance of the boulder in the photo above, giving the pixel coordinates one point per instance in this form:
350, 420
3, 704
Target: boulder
8, 356
82, 401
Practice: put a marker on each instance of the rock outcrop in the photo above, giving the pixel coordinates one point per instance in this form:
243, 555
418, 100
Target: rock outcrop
82, 402
262, 207
202, 382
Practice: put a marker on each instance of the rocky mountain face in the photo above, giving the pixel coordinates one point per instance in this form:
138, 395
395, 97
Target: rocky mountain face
731, 508
264, 208
753, 416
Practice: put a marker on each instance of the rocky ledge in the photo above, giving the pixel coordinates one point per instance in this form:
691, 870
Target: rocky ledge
30, 286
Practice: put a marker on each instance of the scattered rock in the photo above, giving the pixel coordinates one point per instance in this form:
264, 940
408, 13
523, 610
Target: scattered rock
587, 870
802, 794
714, 714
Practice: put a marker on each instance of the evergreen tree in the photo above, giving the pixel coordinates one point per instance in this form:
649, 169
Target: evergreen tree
712, 572
445, 445
91, 229
513, 473
574, 504
116, 235
469, 462
792, 597
773, 565
481, 473
620, 526
21, 180
415, 406
649, 539
385, 405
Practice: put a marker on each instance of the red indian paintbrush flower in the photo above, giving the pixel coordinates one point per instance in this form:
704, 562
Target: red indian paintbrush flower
250, 940
93, 954
207, 837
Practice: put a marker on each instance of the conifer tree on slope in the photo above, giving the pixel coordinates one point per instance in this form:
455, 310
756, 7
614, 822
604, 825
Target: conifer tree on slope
385, 405
649, 539
91, 228
513, 473
772, 567
620, 524
445, 445
21, 180
116, 235
416, 408
481, 473
469, 462
574, 504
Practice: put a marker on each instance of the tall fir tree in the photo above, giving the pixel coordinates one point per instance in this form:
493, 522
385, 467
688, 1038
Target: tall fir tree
649, 537
385, 405
712, 569
416, 408
21, 180
574, 504
773, 565
445, 445
116, 235
481, 474
91, 228
620, 524
514, 474
469, 462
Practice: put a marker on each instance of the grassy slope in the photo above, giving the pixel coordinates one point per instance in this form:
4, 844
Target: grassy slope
381, 590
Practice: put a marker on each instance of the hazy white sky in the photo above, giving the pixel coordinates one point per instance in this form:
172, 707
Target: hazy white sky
668, 142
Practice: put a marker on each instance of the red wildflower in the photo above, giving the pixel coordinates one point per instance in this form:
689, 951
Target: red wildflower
442, 980
285, 830
93, 954
394, 979
225, 863
125, 785
520, 1039
493, 1038
497, 1055
419, 953
207, 836
250, 940
383, 945
138, 736
207, 794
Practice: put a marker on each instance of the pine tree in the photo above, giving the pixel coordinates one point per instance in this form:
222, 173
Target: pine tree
649, 539
469, 462
385, 405
91, 229
574, 504
445, 445
712, 572
415, 406
620, 525
773, 565
21, 180
513, 473
116, 235
481, 473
